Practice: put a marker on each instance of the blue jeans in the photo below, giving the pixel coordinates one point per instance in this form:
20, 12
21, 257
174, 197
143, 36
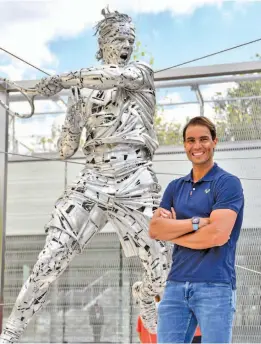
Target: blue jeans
185, 305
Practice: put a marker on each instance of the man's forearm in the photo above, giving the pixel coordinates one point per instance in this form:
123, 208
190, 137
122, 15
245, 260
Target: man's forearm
205, 237
169, 229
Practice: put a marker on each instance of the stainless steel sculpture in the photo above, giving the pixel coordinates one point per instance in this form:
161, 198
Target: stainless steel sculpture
115, 102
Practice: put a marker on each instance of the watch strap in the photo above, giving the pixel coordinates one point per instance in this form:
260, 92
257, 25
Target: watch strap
195, 226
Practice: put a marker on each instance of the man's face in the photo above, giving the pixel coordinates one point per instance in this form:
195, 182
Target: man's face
199, 145
118, 47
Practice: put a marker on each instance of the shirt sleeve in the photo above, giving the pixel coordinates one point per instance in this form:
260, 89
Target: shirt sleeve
229, 194
167, 199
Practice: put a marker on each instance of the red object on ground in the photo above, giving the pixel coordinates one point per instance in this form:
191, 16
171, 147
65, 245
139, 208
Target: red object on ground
1, 314
198, 332
145, 335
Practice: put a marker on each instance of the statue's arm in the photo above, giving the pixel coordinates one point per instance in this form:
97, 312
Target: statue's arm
69, 140
133, 76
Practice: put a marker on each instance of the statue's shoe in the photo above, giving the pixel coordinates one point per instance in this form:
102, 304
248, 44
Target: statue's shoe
148, 312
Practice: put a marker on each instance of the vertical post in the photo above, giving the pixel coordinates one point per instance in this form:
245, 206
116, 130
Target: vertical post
65, 175
199, 98
131, 306
121, 295
3, 192
14, 141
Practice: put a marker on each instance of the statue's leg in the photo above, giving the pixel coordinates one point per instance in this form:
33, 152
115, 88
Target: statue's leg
58, 251
133, 209
155, 257
156, 262
75, 220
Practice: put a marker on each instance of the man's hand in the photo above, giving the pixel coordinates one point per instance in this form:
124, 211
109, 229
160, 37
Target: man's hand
157, 213
164, 213
174, 217
165, 226
204, 221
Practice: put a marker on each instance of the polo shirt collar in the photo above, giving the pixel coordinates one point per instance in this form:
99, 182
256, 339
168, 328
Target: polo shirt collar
209, 177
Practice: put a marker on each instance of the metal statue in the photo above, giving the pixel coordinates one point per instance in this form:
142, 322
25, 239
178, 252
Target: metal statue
115, 103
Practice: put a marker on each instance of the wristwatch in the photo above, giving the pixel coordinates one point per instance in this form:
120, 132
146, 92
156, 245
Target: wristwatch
195, 223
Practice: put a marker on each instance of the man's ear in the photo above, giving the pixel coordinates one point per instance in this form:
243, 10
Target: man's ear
215, 142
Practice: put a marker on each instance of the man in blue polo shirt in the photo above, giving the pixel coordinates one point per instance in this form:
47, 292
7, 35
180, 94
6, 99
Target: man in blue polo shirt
202, 215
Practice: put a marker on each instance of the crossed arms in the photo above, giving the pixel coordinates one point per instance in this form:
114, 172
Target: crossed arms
213, 231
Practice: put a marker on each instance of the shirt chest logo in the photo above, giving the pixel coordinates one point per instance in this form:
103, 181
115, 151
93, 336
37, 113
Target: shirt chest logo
207, 191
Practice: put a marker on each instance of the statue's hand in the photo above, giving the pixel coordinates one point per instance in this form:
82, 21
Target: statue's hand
49, 86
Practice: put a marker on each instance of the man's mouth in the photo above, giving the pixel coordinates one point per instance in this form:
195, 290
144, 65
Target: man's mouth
198, 154
124, 56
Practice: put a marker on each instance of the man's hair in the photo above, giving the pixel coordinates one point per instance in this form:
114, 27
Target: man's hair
203, 121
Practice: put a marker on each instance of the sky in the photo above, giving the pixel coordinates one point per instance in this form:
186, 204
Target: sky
58, 36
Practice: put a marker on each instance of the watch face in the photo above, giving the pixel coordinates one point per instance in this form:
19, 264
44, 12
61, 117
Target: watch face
195, 220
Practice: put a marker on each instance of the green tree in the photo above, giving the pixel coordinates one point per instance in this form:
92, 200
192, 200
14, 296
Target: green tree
168, 133
139, 53
239, 119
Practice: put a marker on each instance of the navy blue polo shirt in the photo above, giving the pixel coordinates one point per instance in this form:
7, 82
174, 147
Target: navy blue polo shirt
218, 189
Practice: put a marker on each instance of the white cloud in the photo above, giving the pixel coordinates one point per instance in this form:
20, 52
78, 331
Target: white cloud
180, 113
174, 97
28, 27
14, 71
210, 91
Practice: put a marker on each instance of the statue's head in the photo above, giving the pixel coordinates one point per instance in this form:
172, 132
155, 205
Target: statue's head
116, 36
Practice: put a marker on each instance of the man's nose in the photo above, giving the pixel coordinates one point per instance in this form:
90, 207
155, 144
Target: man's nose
197, 144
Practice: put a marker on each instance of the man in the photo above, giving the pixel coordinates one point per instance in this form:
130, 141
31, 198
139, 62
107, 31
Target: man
96, 321
115, 103
202, 215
